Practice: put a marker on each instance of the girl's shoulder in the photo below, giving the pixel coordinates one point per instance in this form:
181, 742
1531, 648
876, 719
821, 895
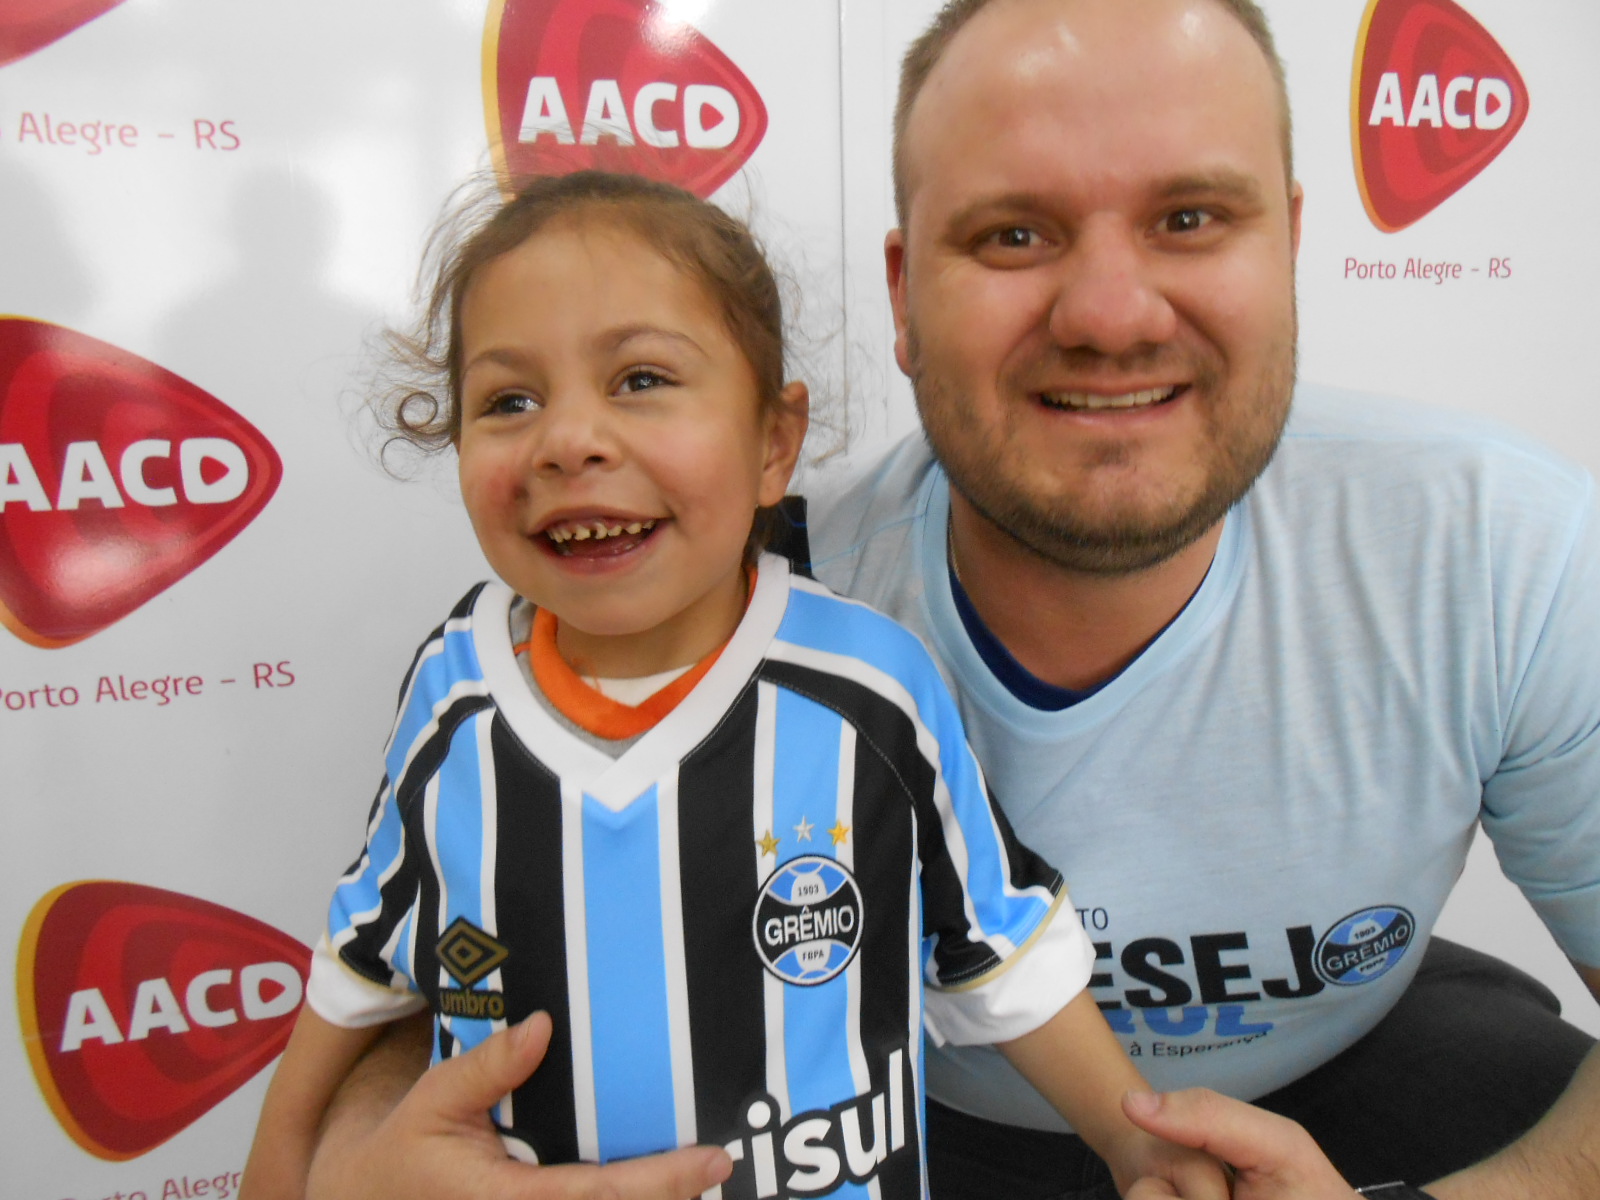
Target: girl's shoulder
450, 657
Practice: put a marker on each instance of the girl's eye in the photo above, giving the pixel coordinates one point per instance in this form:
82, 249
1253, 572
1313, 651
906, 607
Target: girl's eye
641, 379
1186, 220
509, 403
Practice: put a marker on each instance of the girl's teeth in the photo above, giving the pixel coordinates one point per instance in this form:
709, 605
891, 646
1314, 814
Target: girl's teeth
597, 531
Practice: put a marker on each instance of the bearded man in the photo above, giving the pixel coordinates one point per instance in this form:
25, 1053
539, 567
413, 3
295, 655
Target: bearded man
1250, 663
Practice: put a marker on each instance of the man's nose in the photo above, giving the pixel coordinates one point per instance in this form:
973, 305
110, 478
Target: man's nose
574, 434
1109, 297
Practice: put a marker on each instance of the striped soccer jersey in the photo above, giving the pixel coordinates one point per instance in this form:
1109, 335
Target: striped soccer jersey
730, 924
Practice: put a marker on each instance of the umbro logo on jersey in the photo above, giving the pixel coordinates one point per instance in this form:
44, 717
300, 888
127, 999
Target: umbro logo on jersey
808, 920
29, 25
474, 1005
815, 1152
1365, 945
142, 1009
1434, 101
117, 479
620, 85
468, 953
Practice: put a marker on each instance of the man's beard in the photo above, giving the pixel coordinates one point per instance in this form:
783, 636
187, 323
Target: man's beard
1056, 529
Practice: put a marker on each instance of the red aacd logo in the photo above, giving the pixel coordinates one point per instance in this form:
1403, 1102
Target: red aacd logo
619, 85
1433, 102
29, 25
142, 1009
117, 479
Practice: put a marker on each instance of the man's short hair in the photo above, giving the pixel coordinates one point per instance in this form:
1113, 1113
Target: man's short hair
924, 54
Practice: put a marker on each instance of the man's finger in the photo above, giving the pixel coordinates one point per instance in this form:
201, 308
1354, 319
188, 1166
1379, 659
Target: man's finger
675, 1175
1150, 1189
678, 1175
472, 1083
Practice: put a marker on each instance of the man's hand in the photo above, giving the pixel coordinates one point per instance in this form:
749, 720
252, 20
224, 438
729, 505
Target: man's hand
1166, 1168
1272, 1157
438, 1144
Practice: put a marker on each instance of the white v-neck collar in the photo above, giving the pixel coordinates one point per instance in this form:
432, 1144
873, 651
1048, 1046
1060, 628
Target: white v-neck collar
617, 782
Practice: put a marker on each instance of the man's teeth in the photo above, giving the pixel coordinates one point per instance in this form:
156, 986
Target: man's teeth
1091, 400
596, 530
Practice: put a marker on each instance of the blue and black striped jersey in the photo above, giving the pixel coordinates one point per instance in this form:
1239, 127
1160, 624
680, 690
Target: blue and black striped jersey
731, 923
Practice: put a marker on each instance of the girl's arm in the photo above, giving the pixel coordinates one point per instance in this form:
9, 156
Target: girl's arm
1079, 1066
316, 1061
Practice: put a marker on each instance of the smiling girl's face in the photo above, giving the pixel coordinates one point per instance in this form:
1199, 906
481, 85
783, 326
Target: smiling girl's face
613, 447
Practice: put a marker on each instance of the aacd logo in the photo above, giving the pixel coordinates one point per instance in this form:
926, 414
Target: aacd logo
619, 85
117, 479
142, 1009
29, 25
1434, 101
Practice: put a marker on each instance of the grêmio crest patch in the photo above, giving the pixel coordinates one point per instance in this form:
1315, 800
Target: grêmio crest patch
1365, 945
807, 921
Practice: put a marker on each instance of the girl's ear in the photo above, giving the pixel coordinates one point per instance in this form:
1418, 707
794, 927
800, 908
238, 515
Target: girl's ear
785, 433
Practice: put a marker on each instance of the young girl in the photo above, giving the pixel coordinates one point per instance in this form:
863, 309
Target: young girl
721, 824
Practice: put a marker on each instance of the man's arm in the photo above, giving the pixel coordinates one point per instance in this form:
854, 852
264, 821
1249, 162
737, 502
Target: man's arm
1559, 1158
434, 1141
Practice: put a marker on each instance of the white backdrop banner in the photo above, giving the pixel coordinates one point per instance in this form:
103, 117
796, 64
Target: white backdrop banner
209, 591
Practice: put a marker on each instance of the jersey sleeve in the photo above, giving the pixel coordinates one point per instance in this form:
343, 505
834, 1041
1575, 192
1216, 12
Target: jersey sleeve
1541, 803
362, 968
1006, 951
341, 997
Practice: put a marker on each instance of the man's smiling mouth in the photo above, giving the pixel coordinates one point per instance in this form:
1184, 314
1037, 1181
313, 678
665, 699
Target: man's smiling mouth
1096, 402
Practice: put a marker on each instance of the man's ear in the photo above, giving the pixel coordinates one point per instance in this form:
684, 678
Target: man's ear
1297, 199
786, 433
894, 265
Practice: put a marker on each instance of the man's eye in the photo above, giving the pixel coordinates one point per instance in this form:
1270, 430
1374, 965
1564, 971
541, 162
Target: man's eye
640, 380
1186, 220
1014, 237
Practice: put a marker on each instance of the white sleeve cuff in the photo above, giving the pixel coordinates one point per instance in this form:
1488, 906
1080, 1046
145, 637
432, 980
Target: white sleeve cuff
1020, 994
341, 997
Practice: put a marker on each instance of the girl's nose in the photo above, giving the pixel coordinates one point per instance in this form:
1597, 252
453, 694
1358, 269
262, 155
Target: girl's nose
573, 435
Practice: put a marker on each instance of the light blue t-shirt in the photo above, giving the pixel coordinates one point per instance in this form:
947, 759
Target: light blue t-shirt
1260, 819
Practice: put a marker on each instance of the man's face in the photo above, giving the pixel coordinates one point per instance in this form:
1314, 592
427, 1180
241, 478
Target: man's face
1094, 291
